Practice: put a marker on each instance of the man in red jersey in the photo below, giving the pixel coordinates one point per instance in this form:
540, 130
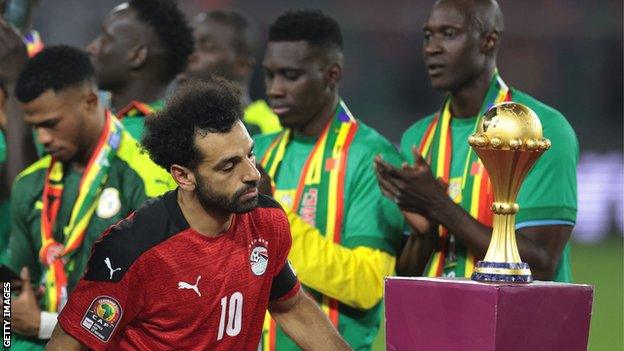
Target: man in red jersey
197, 268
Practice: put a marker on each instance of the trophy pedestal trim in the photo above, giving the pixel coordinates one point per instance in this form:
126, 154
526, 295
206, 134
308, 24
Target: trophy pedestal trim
502, 272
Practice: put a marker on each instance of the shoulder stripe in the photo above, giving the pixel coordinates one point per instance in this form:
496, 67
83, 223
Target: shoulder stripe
155, 179
259, 113
267, 202
42, 163
123, 243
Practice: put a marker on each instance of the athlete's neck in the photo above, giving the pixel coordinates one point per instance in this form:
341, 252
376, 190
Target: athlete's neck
467, 100
137, 90
91, 133
317, 123
207, 223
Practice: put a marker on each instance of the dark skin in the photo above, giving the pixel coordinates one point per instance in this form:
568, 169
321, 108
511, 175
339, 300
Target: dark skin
68, 125
20, 147
461, 61
215, 54
302, 84
129, 61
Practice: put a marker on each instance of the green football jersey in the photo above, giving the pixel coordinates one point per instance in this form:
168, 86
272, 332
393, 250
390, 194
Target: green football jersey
548, 195
133, 116
4, 207
259, 119
370, 219
132, 179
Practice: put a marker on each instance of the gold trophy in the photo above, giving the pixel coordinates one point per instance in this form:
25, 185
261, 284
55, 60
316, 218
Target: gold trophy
508, 141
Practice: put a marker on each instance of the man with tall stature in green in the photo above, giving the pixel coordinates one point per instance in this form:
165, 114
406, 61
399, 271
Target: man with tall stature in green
345, 233
446, 193
227, 44
142, 46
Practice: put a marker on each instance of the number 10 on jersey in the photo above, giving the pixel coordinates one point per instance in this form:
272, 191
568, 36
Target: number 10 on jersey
232, 308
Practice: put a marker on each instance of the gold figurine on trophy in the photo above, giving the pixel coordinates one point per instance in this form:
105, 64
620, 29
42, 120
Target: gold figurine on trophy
508, 141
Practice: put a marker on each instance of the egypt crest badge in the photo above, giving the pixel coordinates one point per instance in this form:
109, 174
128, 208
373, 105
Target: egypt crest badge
258, 256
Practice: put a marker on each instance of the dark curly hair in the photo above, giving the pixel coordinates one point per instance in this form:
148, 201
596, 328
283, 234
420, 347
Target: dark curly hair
197, 107
171, 28
311, 26
56, 67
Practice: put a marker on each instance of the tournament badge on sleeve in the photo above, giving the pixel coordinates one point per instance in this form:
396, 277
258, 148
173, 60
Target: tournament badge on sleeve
102, 317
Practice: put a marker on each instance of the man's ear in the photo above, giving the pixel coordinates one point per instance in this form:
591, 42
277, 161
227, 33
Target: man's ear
91, 100
243, 67
184, 177
489, 41
334, 74
139, 56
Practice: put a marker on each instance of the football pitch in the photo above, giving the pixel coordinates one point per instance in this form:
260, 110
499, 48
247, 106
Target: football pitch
600, 265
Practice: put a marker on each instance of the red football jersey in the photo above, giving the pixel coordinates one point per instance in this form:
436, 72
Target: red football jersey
154, 283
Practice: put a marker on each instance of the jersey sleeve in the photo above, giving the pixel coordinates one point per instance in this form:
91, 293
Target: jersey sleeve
20, 250
262, 143
371, 219
285, 283
143, 179
413, 137
549, 192
106, 299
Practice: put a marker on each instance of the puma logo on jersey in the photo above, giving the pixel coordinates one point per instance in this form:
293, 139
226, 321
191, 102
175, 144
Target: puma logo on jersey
185, 285
110, 267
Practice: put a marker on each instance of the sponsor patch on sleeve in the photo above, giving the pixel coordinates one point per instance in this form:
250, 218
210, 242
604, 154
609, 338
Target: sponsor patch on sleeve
102, 317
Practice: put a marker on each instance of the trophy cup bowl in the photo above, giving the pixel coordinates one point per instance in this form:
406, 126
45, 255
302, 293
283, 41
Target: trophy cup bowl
508, 141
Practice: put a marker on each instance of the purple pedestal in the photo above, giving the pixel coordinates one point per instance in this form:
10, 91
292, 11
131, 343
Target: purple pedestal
459, 314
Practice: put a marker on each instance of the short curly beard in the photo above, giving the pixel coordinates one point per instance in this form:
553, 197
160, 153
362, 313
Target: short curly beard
212, 201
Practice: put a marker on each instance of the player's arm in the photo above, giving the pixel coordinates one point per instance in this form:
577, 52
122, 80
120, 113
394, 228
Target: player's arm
419, 245
539, 246
419, 191
296, 313
62, 341
352, 271
103, 303
27, 317
415, 189
351, 276
304, 322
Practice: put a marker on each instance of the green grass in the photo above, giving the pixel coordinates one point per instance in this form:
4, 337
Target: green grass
600, 265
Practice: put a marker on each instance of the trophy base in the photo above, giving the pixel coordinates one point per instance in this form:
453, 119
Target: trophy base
502, 272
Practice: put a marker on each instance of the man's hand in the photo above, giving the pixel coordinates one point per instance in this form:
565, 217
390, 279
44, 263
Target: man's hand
13, 54
304, 322
419, 223
25, 311
412, 188
61, 341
